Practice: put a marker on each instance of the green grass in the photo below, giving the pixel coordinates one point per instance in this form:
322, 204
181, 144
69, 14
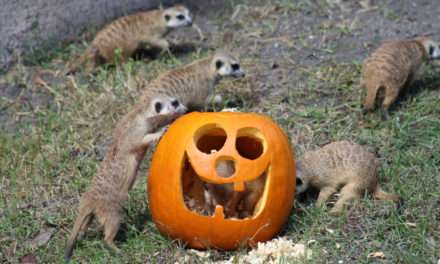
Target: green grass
47, 161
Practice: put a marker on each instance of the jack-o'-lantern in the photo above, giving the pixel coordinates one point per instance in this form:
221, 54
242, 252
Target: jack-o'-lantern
191, 200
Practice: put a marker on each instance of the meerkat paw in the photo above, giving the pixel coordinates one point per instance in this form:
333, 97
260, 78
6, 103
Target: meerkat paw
111, 246
162, 131
153, 138
199, 31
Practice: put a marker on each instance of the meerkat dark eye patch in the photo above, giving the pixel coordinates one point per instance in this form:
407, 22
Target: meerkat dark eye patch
167, 17
235, 66
431, 50
180, 17
175, 103
218, 64
158, 107
299, 182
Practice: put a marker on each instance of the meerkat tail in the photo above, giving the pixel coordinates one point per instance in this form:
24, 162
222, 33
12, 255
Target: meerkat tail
370, 99
80, 223
380, 194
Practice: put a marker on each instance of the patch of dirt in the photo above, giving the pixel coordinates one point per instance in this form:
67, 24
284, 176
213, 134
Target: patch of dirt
279, 42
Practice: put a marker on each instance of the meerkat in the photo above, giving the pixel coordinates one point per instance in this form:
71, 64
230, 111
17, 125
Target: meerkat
235, 204
344, 166
393, 67
109, 188
194, 84
128, 33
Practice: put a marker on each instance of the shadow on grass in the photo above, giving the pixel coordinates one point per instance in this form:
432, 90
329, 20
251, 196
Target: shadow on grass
139, 221
427, 83
155, 53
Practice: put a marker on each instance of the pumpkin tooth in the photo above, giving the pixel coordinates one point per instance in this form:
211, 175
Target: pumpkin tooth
219, 212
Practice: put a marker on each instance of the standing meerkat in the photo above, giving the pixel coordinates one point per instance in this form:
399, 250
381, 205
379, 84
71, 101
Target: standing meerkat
193, 84
109, 188
128, 33
344, 166
393, 66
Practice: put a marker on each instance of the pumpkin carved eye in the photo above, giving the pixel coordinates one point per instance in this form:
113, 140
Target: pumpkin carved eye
247, 145
212, 138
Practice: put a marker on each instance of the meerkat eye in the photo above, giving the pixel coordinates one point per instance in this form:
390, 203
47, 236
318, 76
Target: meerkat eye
218, 64
180, 17
167, 17
175, 103
299, 181
431, 50
158, 107
235, 67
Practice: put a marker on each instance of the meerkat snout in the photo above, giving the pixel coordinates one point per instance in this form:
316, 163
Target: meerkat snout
236, 70
175, 103
177, 16
301, 184
434, 51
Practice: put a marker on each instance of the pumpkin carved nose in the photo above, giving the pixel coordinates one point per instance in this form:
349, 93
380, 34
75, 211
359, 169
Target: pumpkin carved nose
225, 168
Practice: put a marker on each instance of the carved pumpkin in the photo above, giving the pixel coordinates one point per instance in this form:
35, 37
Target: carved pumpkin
187, 155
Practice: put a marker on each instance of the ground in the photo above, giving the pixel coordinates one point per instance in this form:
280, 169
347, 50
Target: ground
303, 61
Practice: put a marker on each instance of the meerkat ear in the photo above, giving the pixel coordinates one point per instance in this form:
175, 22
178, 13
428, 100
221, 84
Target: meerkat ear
158, 107
167, 17
298, 181
218, 64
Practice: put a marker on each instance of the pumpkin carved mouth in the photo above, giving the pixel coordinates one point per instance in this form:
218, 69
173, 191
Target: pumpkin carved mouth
226, 194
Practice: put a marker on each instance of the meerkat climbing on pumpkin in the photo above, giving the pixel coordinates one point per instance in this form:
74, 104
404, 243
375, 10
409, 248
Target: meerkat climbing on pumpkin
340, 166
128, 33
194, 84
109, 188
393, 66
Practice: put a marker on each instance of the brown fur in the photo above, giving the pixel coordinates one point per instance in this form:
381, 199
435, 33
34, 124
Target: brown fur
344, 166
193, 84
109, 188
203, 197
127, 33
195, 193
392, 67
236, 204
